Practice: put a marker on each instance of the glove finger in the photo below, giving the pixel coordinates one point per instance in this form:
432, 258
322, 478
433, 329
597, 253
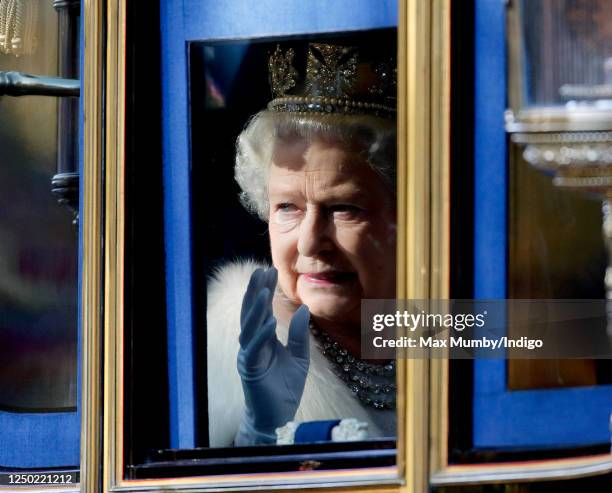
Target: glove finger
298, 341
271, 279
252, 351
255, 284
255, 317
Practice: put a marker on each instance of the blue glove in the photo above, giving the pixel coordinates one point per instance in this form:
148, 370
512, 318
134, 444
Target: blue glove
273, 376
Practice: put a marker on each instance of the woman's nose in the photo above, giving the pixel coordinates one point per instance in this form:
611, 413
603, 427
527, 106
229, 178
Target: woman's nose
314, 236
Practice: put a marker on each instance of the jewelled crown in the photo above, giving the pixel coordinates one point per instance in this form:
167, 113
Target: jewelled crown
335, 79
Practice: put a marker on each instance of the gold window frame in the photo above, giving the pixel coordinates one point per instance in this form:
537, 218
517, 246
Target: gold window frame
423, 250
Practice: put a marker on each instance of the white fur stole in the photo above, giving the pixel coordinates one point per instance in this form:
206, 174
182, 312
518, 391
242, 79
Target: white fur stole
325, 395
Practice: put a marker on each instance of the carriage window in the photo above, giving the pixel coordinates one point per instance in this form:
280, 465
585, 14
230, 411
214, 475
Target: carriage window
38, 236
304, 183
293, 203
541, 238
560, 93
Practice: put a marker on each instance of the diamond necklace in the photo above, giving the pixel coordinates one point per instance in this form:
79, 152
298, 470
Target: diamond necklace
374, 385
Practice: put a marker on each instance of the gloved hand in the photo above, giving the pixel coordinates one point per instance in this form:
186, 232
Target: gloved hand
273, 376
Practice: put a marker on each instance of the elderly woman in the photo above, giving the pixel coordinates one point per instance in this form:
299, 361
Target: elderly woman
321, 171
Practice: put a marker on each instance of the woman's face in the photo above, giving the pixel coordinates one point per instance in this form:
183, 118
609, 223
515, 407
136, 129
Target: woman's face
332, 228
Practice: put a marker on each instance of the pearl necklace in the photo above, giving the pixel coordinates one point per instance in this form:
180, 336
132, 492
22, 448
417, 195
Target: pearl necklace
374, 385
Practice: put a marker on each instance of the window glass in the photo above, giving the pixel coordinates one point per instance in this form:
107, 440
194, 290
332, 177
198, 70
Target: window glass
568, 51
38, 241
556, 251
556, 248
296, 178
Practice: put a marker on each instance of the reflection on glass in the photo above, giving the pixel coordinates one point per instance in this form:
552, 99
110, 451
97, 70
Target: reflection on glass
38, 256
555, 252
298, 173
568, 51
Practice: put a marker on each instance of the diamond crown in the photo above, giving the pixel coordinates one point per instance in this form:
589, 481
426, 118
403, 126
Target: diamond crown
335, 80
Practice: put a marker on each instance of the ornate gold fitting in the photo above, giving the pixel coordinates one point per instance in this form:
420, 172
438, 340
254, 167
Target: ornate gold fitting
18, 21
335, 80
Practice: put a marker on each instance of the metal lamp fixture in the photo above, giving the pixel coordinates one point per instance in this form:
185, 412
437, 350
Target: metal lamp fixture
18, 20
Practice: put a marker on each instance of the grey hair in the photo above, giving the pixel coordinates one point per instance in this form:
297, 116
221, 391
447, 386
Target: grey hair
254, 147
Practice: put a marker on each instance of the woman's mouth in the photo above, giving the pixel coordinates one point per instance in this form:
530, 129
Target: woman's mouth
328, 278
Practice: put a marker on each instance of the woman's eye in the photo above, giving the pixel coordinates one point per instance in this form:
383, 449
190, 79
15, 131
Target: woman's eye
345, 211
286, 213
286, 208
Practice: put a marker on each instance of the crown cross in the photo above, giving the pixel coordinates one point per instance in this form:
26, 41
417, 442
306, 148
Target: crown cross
331, 70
